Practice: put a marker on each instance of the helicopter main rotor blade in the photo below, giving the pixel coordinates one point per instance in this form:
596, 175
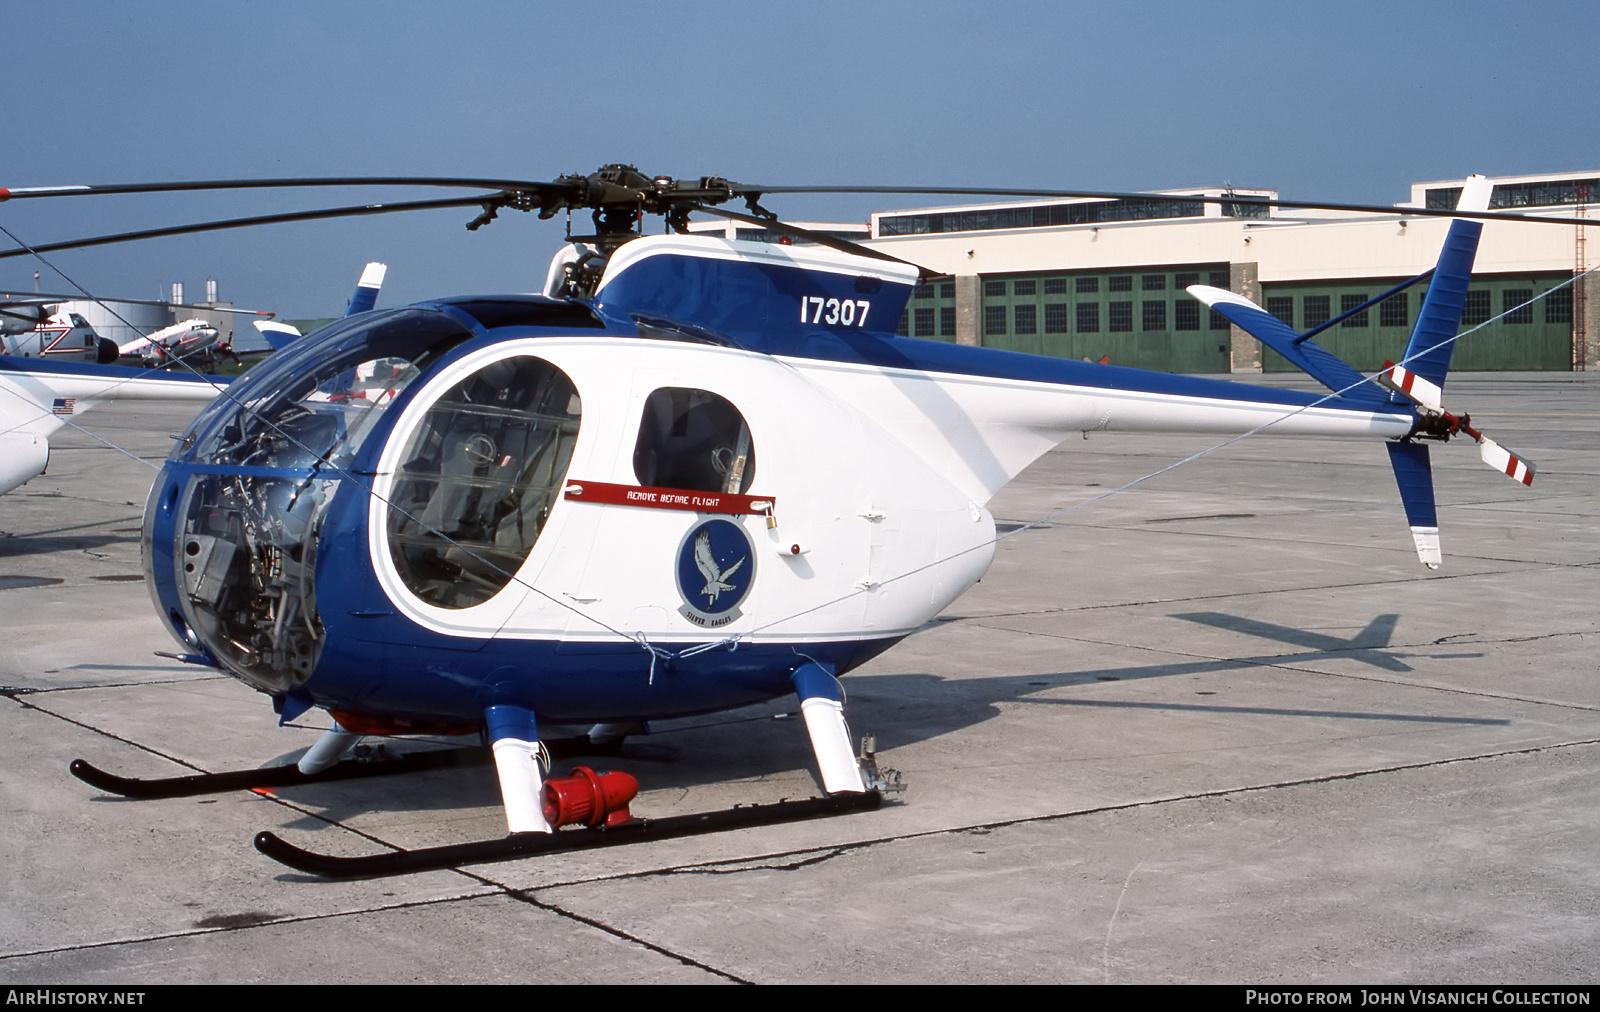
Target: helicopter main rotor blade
741, 189
268, 219
517, 185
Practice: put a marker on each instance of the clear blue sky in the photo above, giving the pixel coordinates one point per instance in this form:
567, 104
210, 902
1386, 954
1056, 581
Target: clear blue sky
1335, 101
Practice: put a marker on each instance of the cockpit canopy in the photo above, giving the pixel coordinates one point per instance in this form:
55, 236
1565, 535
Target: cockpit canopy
253, 476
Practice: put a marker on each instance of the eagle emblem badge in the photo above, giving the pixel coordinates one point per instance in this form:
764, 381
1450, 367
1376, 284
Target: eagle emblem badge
716, 568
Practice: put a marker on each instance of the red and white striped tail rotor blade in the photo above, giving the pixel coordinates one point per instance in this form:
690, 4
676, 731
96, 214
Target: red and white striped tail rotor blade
1424, 393
1504, 461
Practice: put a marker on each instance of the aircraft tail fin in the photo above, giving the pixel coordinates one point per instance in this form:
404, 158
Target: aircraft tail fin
1433, 337
277, 334
1418, 381
366, 293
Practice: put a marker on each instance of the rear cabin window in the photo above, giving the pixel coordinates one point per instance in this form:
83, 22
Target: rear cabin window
693, 439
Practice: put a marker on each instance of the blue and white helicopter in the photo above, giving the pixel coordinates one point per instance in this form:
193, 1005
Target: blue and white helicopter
604, 504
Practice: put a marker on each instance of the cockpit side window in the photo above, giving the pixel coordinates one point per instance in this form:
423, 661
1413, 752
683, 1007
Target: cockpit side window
693, 439
479, 478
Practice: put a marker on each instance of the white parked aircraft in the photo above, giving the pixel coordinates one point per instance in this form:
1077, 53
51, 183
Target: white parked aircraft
37, 397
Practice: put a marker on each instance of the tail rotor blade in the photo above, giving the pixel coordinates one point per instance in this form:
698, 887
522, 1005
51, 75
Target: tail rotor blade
1504, 461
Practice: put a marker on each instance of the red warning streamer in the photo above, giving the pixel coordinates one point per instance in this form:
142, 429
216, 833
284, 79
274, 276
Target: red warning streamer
668, 498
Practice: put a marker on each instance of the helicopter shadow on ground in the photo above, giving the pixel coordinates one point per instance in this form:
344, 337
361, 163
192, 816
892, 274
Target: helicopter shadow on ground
18, 546
903, 709
57, 539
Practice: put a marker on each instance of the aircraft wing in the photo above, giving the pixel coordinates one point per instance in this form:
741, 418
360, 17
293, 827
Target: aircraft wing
18, 316
37, 397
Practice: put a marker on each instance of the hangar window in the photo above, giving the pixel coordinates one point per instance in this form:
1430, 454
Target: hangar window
1153, 282
1088, 318
1349, 302
1476, 310
1121, 317
1055, 286
994, 288
1282, 306
1183, 281
694, 440
904, 329
1120, 283
922, 292
478, 479
924, 323
1317, 310
947, 289
1186, 315
947, 321
1154, 315
1219, 279
1514, 302
1023, 288
1558, 306
1027, 319
1055, 318
994, 320
1088, 286
1395, 311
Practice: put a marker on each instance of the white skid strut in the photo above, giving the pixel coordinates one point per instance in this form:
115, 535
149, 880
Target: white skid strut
822, 706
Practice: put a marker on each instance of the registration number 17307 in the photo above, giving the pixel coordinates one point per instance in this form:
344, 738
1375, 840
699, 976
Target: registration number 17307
834, 312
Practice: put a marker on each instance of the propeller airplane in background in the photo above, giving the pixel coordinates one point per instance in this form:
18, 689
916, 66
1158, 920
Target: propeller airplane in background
691, 474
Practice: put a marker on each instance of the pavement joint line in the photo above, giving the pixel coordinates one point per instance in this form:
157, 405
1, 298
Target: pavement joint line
73, 527
106, 734
525, 896
840, 849
765, 862
33, 691
229, 929
758, 864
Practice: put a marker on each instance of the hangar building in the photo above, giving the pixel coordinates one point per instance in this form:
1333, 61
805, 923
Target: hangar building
1098, 279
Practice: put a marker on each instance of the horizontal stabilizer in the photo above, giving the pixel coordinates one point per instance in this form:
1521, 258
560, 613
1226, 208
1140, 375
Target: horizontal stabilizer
1320, 363
277, 334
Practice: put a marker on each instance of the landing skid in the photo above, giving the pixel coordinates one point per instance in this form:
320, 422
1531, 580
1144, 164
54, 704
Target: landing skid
290, 776
519, 845
271, 776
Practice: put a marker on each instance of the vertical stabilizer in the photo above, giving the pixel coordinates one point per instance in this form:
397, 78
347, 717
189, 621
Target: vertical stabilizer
1433, 338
